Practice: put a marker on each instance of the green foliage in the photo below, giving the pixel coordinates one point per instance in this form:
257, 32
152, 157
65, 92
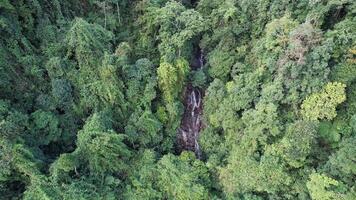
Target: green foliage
221, 63
319, 186
93, 94
45, 127
62, 92
171, 81
25, 161
19, 162
42, 189
64, 164
247, 163
104, 89
143, 178
144, 128
248, 175
322, 105
141, 82
94, 74
87, 41
344, 72
13, 123
295, 57
105, 147
297, 143
183, 177
341, 164
223, 102
199, 79
277, 33
171, 78
330, 132
177, 26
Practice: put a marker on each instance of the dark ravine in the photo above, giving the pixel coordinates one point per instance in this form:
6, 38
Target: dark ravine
191, 124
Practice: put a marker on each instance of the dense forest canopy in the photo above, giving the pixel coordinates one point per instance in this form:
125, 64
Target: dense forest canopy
95, 94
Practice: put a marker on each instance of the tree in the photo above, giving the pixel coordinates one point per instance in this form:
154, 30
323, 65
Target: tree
105, 90
245, 174
95, 76
277, 34
171, 81
295, 57
141, 82
251, 167
221, 63
322, 105
183, 177
172, 78
144, 128
45, 128
13, 123
297, 143
62, 92
63, 166
107, 151
319, 187
92, 94
341, 164
215, 94
112, 12
87, 42
42, 189
143, 178
224, 102
177, 26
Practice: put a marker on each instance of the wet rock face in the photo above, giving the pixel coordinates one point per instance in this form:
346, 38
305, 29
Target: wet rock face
197, 62
191, 124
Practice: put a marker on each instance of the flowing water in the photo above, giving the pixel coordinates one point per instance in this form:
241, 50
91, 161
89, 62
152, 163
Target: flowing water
191, 124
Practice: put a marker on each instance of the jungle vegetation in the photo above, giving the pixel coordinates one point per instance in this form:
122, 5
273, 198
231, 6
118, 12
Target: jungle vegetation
92, 96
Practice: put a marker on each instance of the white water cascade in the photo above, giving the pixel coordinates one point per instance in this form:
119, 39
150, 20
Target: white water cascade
191, 124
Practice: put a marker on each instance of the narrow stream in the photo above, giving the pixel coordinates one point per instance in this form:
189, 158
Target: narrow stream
191, 124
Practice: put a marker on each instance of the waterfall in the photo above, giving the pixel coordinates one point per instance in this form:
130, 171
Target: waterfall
201, 59
191, 125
